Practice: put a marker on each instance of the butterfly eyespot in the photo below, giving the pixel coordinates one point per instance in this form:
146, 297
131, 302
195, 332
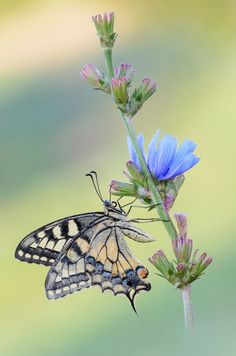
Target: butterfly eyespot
114, 204
142, 272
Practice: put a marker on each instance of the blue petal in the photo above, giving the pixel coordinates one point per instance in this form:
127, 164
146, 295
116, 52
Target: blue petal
132, 153
184, 149
180, 166
140, 139
165, 153
152, 151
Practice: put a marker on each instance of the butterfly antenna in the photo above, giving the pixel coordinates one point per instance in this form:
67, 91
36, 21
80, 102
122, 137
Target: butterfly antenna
110, 194
98, 187
94, 185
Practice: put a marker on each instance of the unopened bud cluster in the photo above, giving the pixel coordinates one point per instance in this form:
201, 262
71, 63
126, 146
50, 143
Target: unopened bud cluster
188, 266
127, 101
130, 102
105, 29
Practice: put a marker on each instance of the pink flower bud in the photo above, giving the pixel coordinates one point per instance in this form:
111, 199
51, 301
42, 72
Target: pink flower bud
182, 249
105, 26
125, 70
180, 267
182, 224
120, 90
93, 76
160, 261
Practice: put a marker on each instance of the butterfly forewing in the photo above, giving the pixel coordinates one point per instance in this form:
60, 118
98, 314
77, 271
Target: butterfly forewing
43, 245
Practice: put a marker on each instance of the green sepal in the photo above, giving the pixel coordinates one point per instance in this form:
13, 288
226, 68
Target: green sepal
135, 173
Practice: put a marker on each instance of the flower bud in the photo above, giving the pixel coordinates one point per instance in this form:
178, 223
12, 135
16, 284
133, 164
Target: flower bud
125, 70
187, 268
182, 249
93, 76
105, 29
122, 189
161, 262
181, 220
145, 90
200, 264
140, 95
180, 267
120, 91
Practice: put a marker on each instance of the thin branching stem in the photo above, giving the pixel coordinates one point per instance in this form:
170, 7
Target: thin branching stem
156, 198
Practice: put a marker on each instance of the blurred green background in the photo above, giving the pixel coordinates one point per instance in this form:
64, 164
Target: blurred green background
54, 129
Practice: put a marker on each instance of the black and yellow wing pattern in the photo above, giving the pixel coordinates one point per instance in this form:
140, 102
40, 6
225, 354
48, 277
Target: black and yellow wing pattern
43, 245
87, 250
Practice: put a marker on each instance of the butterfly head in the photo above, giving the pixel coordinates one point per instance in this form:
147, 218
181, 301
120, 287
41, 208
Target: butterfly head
112, 209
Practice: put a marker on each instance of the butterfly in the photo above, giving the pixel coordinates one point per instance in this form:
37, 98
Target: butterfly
88, 249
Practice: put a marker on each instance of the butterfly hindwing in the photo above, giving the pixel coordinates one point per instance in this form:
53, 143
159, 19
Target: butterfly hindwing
68, 274
43, 245
99, 256
112, 266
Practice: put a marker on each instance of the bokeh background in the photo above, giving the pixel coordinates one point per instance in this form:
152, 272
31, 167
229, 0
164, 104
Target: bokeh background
54, 129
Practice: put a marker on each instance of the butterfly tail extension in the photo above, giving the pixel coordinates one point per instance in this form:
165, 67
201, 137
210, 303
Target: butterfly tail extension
131, 296
132, 304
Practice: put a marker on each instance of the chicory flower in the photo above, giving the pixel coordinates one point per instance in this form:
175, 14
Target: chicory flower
165, 159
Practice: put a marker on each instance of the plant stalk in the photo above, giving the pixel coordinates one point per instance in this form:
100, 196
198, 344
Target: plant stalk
157, 200
188, 308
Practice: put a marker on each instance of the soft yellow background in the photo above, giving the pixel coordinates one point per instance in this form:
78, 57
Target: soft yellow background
54, 129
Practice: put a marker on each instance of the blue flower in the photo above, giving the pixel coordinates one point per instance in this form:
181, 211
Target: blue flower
164, 159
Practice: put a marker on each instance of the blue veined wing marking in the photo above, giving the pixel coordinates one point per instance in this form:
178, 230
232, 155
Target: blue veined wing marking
86, 250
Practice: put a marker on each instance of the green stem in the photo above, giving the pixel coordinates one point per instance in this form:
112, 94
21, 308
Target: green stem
188, 308
108, 60
157, 200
